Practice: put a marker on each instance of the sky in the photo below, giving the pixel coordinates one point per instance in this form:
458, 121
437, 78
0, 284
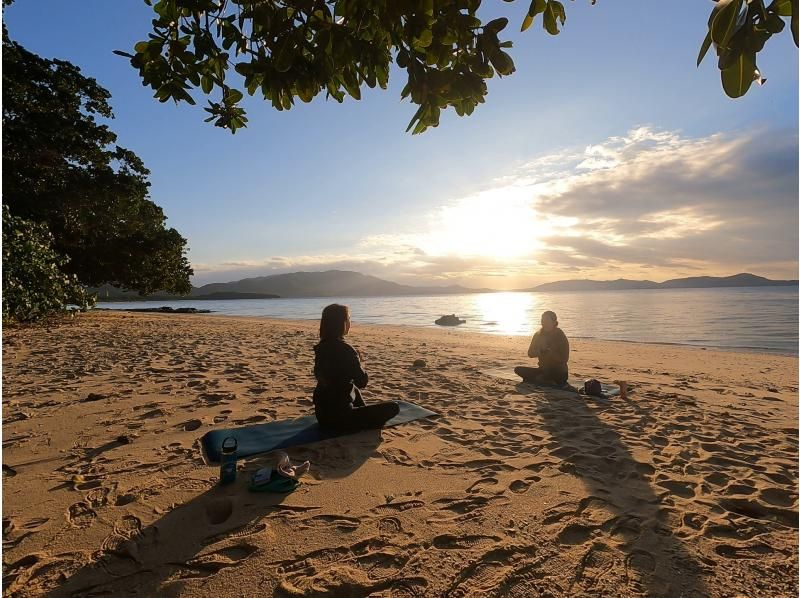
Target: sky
607, 154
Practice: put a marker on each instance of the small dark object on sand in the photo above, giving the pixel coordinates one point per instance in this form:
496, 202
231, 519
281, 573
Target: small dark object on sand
8, 472
449, 320
126, 438
419, 363
94, 397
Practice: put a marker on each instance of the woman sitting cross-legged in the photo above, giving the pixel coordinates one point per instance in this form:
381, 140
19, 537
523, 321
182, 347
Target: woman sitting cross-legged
338, 403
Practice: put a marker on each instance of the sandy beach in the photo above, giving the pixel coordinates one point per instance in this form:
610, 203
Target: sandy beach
688, 487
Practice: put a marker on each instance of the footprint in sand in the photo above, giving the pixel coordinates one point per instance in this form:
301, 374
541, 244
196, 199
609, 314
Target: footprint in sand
492, 571
81, 515
407, 589
124, 499
752, 551
191, 425
40, 573
738, 489
523, 582
98, 497
624, 529
243, 531
467, 542
639, 568
575, 533
401, 506
218, 511
27, 529
341, 522
522, 486
717, 478
211, 563
129, 526
483, 484
678, 488
778, 497
598, 561
389, 526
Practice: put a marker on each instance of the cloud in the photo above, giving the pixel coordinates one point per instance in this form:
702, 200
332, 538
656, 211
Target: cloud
648, 202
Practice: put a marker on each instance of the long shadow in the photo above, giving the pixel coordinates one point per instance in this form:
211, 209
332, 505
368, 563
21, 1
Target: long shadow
656, 562
216, 530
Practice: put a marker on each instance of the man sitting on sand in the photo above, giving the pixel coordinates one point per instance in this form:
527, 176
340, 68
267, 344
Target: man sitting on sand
340, 376
551, 346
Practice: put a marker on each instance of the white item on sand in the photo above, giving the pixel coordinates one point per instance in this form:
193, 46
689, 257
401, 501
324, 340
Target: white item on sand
286, 469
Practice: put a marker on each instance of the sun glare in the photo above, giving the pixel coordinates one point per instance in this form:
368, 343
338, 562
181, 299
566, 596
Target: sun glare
513, 313
499, 223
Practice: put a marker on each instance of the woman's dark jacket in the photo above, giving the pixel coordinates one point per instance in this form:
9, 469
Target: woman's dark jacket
337, 369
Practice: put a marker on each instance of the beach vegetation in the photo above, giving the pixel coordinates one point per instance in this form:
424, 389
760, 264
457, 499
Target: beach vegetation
288, 50
82, 198
34, 282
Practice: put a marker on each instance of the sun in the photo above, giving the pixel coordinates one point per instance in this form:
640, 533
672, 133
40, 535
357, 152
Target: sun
499, 223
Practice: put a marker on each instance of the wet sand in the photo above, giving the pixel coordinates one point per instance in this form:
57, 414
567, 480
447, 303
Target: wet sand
686, 488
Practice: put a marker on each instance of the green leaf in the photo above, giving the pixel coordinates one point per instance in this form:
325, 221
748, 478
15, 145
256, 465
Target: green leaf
496, 25
502, 63
284, 56
233, 96
704, 48
782, 7
537, 7
424, 40
552, 14
725, 21
415, 118
527, 22
737, 78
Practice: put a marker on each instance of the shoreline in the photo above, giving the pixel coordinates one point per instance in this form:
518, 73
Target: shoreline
733, 349
686, 487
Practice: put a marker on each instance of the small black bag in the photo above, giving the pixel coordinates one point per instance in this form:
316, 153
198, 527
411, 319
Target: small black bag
593, 388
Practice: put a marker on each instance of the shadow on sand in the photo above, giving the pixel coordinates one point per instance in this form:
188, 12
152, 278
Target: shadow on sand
213, 531
656, 562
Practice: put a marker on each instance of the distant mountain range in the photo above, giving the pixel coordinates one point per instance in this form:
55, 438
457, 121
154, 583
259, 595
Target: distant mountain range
341, 283
332, 283
696, 282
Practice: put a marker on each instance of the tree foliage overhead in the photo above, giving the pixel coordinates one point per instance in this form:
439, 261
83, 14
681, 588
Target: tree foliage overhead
738, 30
63, 169
285, 50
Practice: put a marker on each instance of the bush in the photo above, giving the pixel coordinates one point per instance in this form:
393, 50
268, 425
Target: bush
34, 286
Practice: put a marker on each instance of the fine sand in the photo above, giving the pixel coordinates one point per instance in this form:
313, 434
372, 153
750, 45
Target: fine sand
686, 488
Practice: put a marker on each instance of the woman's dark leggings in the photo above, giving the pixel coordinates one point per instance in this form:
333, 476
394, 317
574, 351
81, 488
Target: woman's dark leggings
541, 375
363, 417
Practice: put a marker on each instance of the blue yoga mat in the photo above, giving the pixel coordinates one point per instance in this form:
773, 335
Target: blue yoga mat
262, 438
572, 385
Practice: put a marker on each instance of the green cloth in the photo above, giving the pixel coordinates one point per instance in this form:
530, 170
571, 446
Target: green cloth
276, 483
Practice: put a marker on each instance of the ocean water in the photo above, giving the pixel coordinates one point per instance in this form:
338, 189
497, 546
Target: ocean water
759, 319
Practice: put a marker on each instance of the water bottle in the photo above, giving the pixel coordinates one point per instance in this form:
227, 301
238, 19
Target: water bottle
227, 468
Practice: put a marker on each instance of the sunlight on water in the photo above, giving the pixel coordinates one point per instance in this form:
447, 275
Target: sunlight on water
507, 313
700, 317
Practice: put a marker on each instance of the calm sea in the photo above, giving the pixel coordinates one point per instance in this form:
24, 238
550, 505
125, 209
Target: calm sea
756, 319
